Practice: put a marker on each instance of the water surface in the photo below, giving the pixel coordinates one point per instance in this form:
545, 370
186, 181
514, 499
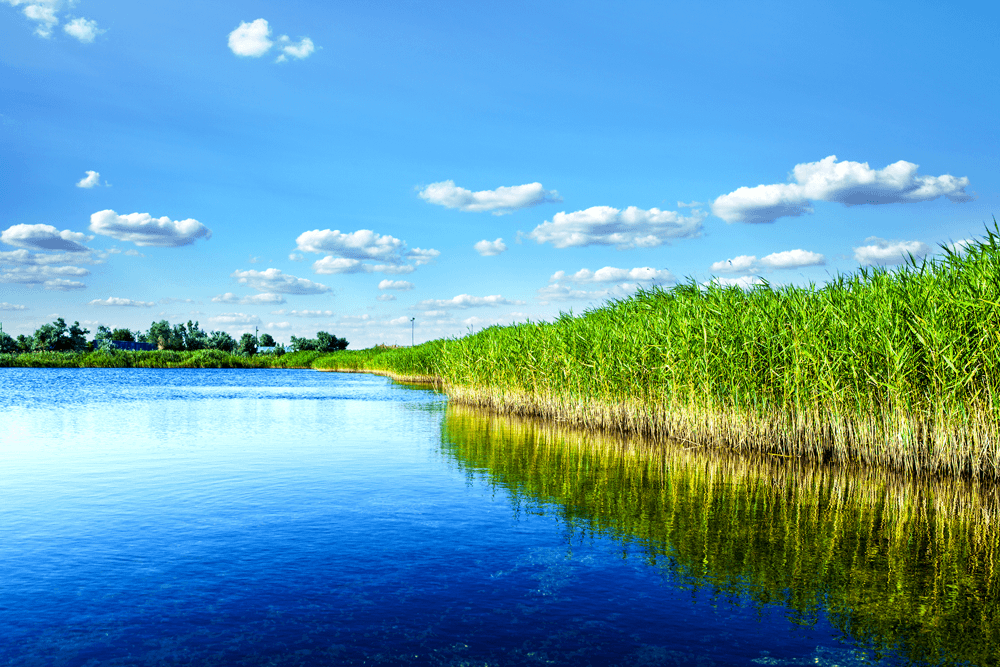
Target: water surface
294, 517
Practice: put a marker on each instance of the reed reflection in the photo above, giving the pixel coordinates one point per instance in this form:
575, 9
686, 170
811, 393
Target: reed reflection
898, 563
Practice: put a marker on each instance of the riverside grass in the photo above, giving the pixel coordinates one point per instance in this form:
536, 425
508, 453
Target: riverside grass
895, 561
894, 368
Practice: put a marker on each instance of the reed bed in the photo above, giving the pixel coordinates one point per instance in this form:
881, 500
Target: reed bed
890, 368
134, 359
895, 561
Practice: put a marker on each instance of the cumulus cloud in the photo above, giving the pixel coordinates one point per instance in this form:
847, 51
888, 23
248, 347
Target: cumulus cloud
304, 313
11, 306
256, 299
503, 200
420, 257
743, 282
143, 229
362, 244
850, 183
253, 40
883, 252
490, 248
45, 14
50, 277
400, 321
273, 280
298, 50
91, 180
466, 301
44, 237
610, 274
348, 250
386, 297
117, 301
564, 292
787, 259
26, 258
279, 325
605, 225
84, 30
235, 319
395, 284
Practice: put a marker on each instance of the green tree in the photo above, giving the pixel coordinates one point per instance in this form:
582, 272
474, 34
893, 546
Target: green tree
24, 343
303, 344
60, 338
326, 342
195, 338
266, 340
247, 345
7, 344
165, 337
220, 340
102, 339
123, 335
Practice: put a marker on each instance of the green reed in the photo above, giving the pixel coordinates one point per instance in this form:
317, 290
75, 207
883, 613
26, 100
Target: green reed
135, 359
895, 561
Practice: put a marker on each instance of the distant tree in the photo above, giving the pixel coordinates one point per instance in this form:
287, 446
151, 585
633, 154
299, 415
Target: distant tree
220, 340
102, 339
247, 345
123, 335
326, 342
194, 337
165, 337
58, 337
24, 343
302, 344
266, 340
7, 344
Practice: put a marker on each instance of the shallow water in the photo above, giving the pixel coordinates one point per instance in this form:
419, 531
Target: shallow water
293, 517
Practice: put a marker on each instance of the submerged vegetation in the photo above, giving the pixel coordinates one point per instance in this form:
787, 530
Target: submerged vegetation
894, 561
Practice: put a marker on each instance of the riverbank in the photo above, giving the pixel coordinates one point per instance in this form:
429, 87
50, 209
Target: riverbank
897, 369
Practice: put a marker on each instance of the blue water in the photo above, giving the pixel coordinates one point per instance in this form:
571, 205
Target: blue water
203, 517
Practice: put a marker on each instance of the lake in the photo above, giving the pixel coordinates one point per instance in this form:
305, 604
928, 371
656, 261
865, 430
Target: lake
292, 517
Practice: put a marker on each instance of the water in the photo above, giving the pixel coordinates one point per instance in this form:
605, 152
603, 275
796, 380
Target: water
199, 517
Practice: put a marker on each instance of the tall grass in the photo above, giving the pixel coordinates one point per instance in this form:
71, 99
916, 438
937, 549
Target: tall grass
897, 368
895, 561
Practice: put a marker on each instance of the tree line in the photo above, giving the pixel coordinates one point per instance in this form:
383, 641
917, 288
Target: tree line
62, 337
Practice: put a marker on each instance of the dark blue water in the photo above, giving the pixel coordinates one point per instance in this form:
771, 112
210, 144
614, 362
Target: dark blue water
203, 517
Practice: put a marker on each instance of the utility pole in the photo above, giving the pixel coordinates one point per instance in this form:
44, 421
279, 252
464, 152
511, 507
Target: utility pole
412, 325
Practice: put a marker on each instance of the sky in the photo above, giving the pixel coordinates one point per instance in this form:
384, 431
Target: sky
386, 170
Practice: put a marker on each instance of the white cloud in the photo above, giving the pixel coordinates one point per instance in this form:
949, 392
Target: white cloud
490, 248
251, 39
298, 50
362, 244
83, 30
256, 299
11, 306
400, 321
38, 259
435, 313
850, 183
604, 225
61, 285
386, 297
143, 229
47, 276
505, 199
235, 318
273, 280
610, 274
168, 300
396, 285
118, 301
739, 264
421, 257
466, 301
304, 313
563, 292
44, 237
792, 259
743, 282
886, 252
279, 325
296, 257
91, 180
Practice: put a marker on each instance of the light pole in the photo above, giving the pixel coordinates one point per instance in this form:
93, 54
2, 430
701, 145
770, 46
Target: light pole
412, 325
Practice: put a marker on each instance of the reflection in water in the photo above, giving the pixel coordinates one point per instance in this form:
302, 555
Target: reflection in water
897, 563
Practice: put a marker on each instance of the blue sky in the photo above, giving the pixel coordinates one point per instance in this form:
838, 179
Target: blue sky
304, 166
